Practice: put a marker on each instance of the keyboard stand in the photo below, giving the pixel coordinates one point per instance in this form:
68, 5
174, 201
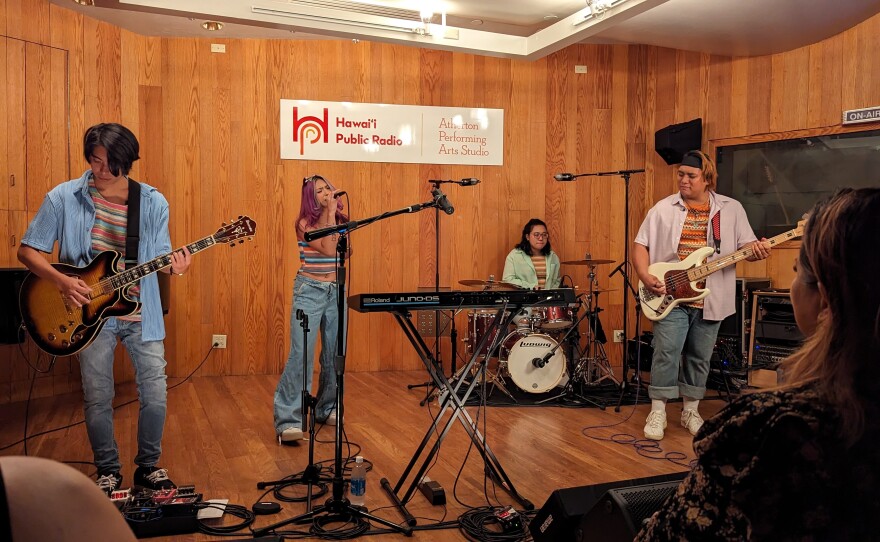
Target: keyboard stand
449, 398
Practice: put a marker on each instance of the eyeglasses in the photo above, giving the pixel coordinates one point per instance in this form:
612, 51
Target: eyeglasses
539, 235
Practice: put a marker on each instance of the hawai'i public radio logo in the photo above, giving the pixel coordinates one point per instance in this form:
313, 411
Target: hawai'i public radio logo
309, 129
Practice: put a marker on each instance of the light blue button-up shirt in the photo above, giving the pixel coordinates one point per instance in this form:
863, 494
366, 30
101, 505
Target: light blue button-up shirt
661, 234
67, 216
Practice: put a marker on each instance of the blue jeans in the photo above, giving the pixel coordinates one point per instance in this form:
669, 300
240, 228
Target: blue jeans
317, 299
96, 367
684, 331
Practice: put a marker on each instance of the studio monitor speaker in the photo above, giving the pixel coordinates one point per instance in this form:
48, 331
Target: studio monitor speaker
620, 514
560, 518
673, 141
10, 315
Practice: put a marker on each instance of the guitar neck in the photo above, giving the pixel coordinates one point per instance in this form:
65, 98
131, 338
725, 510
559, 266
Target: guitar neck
134, 274
703, 271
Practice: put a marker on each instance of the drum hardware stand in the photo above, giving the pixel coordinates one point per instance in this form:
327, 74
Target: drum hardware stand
337, 504
568, 389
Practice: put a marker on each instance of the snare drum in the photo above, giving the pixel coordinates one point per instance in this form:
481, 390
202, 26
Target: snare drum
553, 318
479, 323
528, 375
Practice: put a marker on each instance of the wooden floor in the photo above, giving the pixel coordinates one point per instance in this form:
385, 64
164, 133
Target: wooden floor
219, 436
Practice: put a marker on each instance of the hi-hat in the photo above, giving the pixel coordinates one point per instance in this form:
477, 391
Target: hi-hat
490, 284
587, 262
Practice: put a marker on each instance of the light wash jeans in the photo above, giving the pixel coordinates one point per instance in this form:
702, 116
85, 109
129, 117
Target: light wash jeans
96, 367
685, 332
317, 299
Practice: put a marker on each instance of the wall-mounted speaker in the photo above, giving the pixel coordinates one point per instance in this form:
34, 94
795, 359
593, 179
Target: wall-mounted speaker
672, 142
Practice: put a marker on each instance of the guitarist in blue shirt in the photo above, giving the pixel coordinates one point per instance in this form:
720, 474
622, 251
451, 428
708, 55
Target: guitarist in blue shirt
86, 216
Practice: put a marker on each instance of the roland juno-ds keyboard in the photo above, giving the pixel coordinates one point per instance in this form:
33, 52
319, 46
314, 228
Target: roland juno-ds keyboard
452, 300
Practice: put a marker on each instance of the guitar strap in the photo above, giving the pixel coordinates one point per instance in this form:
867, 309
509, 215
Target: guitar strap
716, 230
133, 229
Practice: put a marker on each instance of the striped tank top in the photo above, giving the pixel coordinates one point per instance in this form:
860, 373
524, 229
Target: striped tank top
108, 233
312, 261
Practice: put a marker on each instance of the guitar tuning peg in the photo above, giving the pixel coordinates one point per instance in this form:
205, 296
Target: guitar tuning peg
241, 241
239, 217
232, 244
224, 223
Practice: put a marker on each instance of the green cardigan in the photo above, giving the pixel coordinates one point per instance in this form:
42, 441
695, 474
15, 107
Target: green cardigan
519, 270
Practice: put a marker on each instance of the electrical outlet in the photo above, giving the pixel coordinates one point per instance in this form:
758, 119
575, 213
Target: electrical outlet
219, 340
618, 335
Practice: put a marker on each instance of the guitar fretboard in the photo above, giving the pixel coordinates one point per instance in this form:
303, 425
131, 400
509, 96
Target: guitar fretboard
134, 274
701, 272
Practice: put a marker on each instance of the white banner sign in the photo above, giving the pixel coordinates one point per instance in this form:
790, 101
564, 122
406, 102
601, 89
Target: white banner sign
358, 132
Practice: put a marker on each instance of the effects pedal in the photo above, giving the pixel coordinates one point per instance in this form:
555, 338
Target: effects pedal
509, 519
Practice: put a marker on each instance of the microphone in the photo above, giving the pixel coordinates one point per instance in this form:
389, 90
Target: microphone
442, 202
464, 182
340, 193
564, 177
541, 362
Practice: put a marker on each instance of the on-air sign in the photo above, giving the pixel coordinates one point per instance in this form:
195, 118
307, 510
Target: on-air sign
858, 116
360, 132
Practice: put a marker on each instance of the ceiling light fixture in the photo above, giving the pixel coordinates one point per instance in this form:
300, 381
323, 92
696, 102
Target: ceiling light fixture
212, 26
597, 9
330, 20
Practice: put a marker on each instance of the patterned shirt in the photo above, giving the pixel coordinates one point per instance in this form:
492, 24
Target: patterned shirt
693, 236
771, 466
108, 233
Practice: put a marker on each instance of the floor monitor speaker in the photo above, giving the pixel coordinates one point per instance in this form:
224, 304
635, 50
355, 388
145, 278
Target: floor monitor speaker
560, 518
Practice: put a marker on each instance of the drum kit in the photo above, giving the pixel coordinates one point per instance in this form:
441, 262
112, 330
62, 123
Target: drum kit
543, 351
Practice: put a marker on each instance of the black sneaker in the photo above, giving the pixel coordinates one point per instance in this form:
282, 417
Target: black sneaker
109, 482
152, 478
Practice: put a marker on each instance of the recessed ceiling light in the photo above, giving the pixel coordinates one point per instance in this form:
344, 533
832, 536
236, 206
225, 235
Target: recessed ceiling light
477, 22
550, 17
85, 2
212, 25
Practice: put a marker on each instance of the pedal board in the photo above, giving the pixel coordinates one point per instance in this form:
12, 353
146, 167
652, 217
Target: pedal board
159, 513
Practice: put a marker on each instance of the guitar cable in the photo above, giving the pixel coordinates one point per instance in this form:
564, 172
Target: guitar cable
27, 437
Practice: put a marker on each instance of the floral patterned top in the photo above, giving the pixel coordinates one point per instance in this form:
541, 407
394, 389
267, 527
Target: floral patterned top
771, 466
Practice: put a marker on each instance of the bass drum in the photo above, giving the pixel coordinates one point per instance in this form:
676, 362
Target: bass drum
526, 373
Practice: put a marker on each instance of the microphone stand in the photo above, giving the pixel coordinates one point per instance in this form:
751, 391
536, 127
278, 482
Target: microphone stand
453, 333
625, 175
637, 376
337, 504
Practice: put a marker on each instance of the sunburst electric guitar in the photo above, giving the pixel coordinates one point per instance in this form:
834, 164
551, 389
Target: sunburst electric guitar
681, 278
60, 328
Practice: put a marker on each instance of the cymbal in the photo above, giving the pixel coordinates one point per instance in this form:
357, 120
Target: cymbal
490, 284
587, 262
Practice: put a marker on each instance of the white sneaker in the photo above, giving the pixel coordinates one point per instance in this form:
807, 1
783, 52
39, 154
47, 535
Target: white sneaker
691, 420
331, 418
655, 424
291, 434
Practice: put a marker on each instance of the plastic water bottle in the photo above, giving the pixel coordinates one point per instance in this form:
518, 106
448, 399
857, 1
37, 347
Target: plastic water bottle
358, 482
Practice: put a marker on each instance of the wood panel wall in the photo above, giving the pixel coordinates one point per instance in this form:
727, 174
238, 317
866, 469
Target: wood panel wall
208, 125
